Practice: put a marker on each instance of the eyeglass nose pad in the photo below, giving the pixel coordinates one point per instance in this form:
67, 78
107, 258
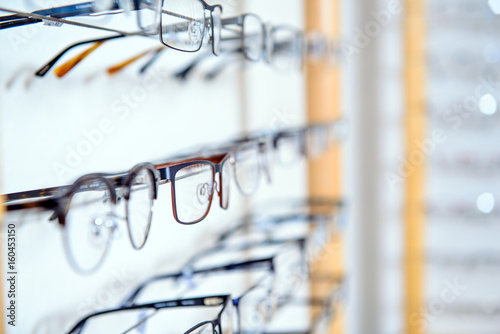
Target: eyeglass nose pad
98, 225
217, 187
203, 193
195, 31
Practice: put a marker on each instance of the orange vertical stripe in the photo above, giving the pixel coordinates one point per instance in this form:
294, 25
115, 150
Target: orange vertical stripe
323, 104
415, 123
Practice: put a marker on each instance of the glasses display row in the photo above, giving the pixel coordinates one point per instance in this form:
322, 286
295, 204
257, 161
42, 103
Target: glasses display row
187, 25
272, 263
91, 209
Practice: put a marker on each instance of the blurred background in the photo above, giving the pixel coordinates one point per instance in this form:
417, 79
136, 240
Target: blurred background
417, 82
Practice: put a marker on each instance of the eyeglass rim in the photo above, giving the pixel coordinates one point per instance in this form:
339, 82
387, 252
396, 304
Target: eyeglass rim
206, 6
158, 305
237, 148
262, 263
149, 168
223, 205
63, 209
169, 170
298, 38
263, 37
216, 38
268, 282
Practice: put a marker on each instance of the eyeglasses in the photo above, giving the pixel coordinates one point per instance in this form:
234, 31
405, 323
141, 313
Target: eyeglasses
289, 260
252, 158
183, 24
285, 47
258, 298
56, 16
309, 141
282, 47
193, 183
265, 263
250, 31
156, 317
66, 67
249, 35
321, 319
79, 9
86, 211
317, 229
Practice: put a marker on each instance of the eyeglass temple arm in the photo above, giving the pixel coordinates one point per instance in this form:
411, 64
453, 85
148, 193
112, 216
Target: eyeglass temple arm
265, 263
42, 18
152, 60
44, 69
54, 191
182, 74
47, 203
123, 64
231, 20
38, 193
16, 20
64, 68
75, 9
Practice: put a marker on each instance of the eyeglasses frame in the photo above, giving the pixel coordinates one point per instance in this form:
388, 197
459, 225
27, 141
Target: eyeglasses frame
169, 170
210, 24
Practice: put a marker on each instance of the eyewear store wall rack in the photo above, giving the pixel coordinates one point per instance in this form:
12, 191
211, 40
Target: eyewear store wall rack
221, 225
